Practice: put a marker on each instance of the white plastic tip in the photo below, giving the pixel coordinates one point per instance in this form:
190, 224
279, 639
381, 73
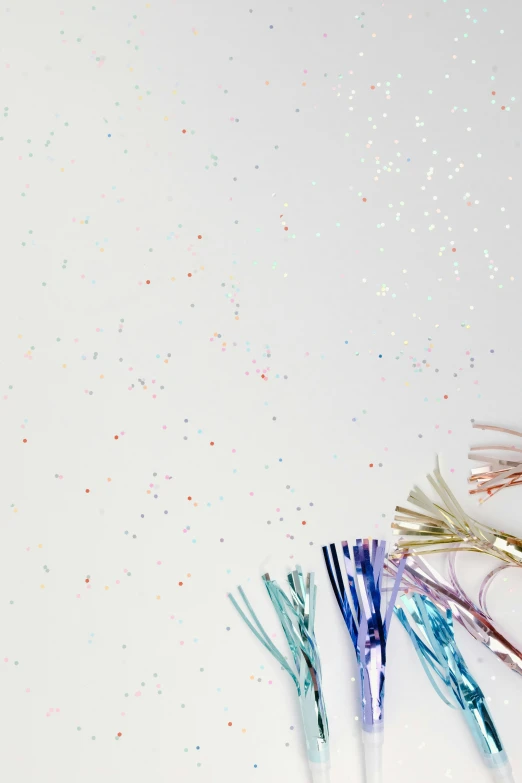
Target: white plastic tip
372, 745
503, 774
320, 772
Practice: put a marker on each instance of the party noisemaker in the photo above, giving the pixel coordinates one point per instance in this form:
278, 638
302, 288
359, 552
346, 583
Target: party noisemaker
431, 632
297, 618
367, 614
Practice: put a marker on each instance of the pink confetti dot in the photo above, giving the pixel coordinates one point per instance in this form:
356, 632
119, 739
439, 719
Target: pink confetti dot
138, 693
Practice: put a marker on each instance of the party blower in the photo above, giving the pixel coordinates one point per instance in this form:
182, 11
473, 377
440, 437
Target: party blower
297, 618
431, 632
367, 615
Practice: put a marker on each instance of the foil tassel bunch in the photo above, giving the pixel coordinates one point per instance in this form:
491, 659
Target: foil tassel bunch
420, 577
297, 618
497, 474
432, 634
363, 607
446, 527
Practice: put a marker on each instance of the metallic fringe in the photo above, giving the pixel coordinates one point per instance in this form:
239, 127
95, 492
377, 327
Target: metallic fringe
431, 631
365, 618
297, 618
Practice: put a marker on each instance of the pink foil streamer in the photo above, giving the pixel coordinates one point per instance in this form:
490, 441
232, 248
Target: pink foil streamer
420, 577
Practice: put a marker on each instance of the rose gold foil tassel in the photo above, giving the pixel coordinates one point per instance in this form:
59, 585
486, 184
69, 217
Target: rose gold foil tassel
497, 474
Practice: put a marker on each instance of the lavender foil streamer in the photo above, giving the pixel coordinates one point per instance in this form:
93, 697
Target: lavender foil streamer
363, 611
432, 634
422, 578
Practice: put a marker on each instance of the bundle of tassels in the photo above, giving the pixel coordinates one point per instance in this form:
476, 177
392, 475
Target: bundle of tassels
447, 528
497, 474
367, 610
431, 632
297, 618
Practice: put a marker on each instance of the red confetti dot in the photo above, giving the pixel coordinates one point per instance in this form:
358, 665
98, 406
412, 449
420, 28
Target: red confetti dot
303, 522
87, 580
189, 498
24, 440
199, 236
183, 131
371, 464
493, 92
453, 249
148, 282
189, 274
116, 437
180, 584
229, 723
119, 734
372, 87
364, 199
445, 396
211, 442
286, 228
87, 490
502, 107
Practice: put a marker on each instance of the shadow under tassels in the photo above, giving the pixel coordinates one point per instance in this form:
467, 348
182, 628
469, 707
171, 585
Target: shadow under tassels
297, 618
431, 632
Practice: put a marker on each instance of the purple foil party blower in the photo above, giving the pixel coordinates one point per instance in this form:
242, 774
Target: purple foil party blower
363, 607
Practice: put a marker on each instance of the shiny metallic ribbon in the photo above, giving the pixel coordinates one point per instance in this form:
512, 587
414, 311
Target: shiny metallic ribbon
297, 618
431, 631
418, 576
364, 612
446, 527
498, 473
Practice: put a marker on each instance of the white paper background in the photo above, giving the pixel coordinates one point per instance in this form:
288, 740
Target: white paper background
360, 318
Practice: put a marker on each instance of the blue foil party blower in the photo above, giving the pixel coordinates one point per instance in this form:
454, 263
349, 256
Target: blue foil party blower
432, 634
367, 614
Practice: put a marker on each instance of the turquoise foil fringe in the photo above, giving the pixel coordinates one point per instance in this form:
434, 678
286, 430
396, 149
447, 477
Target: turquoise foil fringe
297, 618
432, 634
